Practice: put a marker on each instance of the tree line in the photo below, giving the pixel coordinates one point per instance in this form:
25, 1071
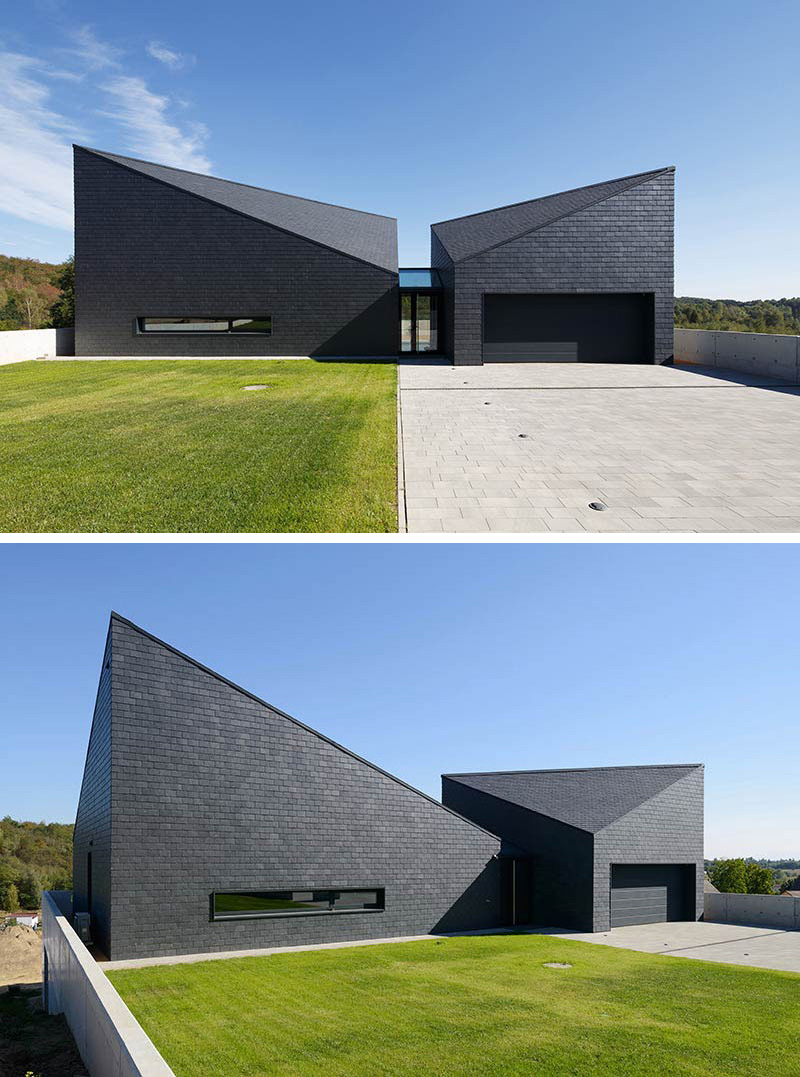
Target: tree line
732, 315
33, 857
36, 295
741, 875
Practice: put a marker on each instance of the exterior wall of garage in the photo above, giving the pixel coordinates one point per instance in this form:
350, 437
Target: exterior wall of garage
146, 249
667, 829
622, 244
212, 789
561, 884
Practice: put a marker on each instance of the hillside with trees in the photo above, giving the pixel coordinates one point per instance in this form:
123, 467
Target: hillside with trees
33, 857
28, 289
735, 316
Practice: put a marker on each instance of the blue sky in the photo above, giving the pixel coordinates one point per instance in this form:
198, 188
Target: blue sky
422, 112
432, 658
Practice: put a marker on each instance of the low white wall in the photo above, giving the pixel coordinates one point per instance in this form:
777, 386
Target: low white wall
765, 910
17, 345
111, 1041
753, 353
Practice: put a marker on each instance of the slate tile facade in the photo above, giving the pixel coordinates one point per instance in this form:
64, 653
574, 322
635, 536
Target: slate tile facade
667, 829
622, 244
212, 789
146, 249
572, 863
93, 819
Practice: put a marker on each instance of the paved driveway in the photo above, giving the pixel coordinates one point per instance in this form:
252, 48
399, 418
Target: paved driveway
664, 448
732, 944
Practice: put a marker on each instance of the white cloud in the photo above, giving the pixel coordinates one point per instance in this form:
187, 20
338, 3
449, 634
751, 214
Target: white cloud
35, 151
93, 53
171, 58
36, 138
144, 115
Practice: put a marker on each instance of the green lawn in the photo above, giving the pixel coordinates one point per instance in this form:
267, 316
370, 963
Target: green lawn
164, 446
482, 1005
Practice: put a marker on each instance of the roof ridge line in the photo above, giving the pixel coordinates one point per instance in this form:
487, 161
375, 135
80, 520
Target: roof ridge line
640, 178
296, 721
534, 811
669, 785
555, 194
235, 183
572, 770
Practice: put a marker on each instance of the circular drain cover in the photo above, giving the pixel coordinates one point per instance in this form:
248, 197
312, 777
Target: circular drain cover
598, 506
249, 388
557, 965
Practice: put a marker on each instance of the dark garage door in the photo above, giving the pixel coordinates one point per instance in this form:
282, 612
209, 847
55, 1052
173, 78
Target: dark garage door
647, 893
596, 328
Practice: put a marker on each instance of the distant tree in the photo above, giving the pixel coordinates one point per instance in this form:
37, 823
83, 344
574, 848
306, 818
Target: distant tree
759, 880
790, 884
62, 312
29, 890
729, 876
9, 898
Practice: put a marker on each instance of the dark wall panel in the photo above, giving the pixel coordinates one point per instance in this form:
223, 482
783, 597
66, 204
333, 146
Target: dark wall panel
624, 244
143, 248
93, 818
214, 790
667, 829
561, 868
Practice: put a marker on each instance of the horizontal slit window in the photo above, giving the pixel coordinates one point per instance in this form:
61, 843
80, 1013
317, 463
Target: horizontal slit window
261, 323
248, 904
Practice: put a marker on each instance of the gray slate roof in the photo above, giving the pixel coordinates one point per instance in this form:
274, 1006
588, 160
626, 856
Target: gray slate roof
589, 799
464, 237
369, 237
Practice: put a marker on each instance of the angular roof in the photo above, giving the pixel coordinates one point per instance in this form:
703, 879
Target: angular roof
589, 799
369, 237
465, 237
129, 626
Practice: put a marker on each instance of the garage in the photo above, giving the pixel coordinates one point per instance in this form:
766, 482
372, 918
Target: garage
556, 328
648, 893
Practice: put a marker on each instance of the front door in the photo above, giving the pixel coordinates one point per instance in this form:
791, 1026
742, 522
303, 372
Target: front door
517, 876
419, 322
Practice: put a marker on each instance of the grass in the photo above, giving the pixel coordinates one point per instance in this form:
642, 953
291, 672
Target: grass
464, 1006
166, 446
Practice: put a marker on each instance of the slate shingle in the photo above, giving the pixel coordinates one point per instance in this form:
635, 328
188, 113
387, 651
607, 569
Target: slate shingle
589, 799
369, 237
464, 237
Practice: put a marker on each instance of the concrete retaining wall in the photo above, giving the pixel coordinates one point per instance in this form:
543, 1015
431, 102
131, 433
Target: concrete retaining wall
764, 910
17, 345
111, 1041
752, 353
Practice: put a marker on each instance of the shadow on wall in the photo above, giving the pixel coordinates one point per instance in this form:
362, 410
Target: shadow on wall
479, 907
373, 332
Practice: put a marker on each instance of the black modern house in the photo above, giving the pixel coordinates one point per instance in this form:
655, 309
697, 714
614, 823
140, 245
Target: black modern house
173, 263
210, 821
605, 847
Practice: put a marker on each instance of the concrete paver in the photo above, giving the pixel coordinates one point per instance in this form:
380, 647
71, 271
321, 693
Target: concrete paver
732, 944
665, 449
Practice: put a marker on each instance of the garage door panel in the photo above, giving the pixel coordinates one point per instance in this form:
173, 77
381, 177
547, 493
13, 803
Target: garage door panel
589, 327
531, 352
647, 893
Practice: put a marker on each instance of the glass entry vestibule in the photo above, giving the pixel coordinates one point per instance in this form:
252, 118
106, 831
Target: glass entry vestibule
420, 310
